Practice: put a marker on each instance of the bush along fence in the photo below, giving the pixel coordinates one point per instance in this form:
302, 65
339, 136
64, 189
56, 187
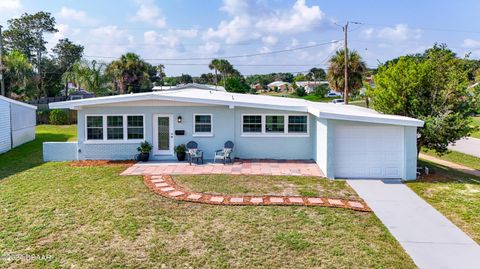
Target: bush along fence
56, 116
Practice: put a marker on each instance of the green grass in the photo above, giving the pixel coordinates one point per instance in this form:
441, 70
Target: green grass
457, 157
30, 154
476, 123
454, 194
90, 217
271, 185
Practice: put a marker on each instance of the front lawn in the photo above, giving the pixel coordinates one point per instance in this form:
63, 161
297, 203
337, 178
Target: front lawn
454, 194
90, 217
267, 185
476, 123
456, 157
30, 154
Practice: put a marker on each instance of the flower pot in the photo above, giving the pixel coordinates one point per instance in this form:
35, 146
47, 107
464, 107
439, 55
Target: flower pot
181, 156
144, 156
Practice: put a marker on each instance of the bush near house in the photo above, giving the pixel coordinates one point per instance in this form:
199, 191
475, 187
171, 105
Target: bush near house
58, 117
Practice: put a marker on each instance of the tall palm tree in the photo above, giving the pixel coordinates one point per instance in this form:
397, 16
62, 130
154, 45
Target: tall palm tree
336, 71
215, 65
87, 75
17, 71
128, 72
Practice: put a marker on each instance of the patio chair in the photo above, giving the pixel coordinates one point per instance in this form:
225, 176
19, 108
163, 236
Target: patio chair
193, 153
225, 153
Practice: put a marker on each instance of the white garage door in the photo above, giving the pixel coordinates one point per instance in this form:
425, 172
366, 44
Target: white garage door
368, 151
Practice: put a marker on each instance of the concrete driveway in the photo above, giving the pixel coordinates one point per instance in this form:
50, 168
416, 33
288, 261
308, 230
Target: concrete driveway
470, 146
426, 235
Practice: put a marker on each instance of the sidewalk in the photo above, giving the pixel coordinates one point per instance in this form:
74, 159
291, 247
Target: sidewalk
464, 169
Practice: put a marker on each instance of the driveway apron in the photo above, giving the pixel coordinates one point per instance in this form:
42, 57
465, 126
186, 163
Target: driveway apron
426, 235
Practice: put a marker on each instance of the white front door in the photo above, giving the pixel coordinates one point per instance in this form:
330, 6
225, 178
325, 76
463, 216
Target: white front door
162, 134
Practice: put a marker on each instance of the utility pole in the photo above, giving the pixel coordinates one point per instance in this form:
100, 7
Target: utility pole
345, 46
2, 83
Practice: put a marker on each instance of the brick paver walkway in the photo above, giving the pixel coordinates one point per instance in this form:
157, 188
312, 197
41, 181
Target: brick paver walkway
165, 186
242, 167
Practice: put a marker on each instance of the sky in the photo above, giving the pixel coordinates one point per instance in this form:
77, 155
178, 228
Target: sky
257, 36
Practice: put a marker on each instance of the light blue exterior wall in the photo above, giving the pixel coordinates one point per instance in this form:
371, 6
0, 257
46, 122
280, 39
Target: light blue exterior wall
226, 124
410, 144
5, 128
324, 146
60, 151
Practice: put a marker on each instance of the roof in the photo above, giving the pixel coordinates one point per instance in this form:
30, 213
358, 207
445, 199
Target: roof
193, 95
190, 86
81, 92
278, 83
17, 102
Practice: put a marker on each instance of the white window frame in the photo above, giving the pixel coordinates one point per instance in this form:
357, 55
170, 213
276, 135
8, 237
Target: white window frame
264, 124
202, 134
125, 139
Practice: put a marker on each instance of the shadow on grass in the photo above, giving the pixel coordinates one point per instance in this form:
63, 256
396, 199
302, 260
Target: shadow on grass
27, 155
443, 174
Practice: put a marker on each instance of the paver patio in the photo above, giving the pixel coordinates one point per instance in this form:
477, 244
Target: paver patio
239, 167
176, 192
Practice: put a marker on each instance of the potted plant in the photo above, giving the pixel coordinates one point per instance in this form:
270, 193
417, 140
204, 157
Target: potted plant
144, 150
181, 151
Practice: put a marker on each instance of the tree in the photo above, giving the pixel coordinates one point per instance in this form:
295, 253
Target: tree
215, 65
225, 68
185, 79
25, 34
432, 87
336, 71
156, 74
236, 84
128, 73
18, 72
317, 74
66, 53
321, 90
88, 76
300, 91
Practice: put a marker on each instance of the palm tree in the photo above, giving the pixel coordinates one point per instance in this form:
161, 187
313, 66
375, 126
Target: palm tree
128, 72
215, 65
17, 71
336, 72
87, 75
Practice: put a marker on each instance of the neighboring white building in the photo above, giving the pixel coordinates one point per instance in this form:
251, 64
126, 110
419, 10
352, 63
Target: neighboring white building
17, 123
281, 85
189, 86
309, 86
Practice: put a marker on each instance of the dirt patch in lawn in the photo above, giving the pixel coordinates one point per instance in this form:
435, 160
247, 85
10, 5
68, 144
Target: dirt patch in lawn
102, 163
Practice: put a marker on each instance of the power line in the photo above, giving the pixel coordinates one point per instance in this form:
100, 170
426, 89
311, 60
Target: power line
223, 57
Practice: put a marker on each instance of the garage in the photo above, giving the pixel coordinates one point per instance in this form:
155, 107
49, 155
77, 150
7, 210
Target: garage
368, 151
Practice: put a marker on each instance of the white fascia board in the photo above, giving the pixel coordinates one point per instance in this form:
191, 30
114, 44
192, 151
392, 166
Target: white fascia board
17, 102
100, 100
372, 119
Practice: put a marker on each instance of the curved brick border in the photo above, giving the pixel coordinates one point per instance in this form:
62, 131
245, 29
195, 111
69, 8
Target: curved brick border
165, 186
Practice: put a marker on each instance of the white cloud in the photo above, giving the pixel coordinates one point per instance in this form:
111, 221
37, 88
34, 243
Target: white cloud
148, 12
165, 41
74, 15
108, 40
269, 40
471, 43
210, 48
187, 33
300, 18
10, 5
253, 21
367, 33
401, 32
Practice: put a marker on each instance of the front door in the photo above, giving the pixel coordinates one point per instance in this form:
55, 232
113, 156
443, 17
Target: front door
163, 134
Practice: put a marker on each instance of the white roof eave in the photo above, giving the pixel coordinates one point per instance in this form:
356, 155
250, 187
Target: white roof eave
371, 119
17, 102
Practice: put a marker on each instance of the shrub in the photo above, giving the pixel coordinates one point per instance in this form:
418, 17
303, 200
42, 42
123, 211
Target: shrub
300, 91
321, 90
58, 117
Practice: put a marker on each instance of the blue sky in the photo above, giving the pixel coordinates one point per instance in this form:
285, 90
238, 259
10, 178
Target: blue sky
171, 32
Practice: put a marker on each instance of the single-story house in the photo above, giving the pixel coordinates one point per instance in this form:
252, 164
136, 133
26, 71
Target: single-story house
17, 123
309, 86
281, 85
345, 141
189, 86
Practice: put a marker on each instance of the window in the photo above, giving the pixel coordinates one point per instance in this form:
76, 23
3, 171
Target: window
114, 127
135, 127
297, 124
202, 124
94, 128
252, 124
275, 124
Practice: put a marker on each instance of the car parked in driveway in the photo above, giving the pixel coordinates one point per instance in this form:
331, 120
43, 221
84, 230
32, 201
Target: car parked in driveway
332, 94
338, 101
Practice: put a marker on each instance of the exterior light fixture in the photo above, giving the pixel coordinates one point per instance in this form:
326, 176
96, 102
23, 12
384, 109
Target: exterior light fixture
179, 119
